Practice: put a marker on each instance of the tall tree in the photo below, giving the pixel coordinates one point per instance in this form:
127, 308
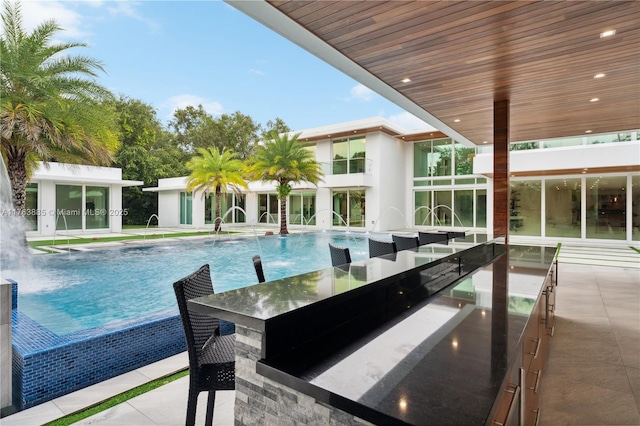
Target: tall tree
147, 154
51, 106
195, 128
217, 171
276, 125
286, 161
238, 132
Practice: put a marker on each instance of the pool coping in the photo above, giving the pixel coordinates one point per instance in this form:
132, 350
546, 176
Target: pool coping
94, 394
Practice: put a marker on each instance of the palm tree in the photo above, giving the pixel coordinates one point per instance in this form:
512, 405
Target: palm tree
284, 160
51, 106
216, 170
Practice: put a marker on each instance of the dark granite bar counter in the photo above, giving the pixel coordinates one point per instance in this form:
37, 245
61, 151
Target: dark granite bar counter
419, 337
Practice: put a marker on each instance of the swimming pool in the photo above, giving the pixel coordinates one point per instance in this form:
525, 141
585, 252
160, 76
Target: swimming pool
66, 293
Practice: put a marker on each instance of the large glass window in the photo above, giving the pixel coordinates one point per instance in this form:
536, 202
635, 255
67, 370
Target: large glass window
606, 207
357, 154
302, 208
635, 207
525, 206
186, 208
436, 158
97, 207
562, 205
463, 202
68, 207
231, 208
481, 208
349, 208
209, 208
31, 205
441, 158
464, 159
421, 152
239, 212
268, 208
340, 157
442, 211
349, 155
357, 208
226, 202
422, 208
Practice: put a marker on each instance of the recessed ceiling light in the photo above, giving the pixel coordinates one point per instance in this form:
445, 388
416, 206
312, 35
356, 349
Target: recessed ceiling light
484, 142
457, 120
607, 33
588, 131
594, 99
406, 80
599, 75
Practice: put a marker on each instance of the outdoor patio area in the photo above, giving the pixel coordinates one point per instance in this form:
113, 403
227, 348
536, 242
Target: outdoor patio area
593, 373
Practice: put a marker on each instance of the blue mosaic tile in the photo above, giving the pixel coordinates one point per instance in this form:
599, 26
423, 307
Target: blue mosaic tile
47, 366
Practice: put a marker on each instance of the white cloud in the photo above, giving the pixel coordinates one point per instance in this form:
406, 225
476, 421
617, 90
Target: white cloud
128, 9
256, 72
74, 25
362, 92
183, 101
35, 13
409, 121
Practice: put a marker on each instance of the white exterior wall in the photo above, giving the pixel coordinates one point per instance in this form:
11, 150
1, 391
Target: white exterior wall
169, 200
168, 209
386, 198
619, 154
323, 194
47, 200
52, 174
409, 198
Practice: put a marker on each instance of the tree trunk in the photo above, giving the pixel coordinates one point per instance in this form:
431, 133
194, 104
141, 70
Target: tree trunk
218, 205
283, 216
17, 170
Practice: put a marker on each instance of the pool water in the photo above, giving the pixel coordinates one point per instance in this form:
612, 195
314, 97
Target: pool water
81, 290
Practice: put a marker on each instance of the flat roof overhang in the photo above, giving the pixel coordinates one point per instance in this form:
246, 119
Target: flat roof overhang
448, 62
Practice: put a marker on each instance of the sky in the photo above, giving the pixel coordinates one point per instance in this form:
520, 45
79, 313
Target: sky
171, 54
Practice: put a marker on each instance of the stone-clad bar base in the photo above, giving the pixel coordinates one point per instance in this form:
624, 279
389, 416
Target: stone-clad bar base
271, 404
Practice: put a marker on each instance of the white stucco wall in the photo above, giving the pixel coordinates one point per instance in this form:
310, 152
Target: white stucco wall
169, 208
47, 176
620, 154
386, 198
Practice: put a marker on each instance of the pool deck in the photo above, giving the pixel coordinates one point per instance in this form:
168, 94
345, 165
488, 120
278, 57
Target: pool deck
65, 242
593, 369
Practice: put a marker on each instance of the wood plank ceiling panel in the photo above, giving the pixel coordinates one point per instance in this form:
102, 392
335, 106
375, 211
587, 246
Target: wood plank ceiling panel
461, 56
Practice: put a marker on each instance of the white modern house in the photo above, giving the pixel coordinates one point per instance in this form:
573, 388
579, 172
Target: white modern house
378, 177
76, 199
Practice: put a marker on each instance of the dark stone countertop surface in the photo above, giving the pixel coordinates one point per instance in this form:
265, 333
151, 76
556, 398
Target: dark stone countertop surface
441, 359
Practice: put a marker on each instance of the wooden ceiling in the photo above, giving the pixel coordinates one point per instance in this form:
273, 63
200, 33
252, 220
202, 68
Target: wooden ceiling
461, 56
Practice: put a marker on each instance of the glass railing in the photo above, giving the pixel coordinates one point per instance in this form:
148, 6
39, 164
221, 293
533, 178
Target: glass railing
566, 142
351, 165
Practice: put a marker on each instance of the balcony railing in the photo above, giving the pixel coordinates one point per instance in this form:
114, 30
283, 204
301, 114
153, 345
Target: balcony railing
348, 166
